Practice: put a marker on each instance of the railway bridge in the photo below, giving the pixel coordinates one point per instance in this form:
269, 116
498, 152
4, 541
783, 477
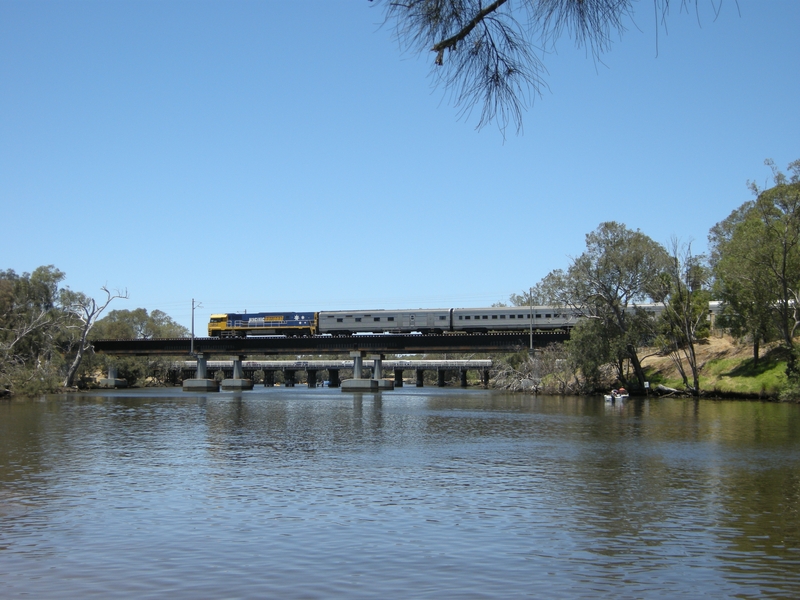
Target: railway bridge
359, 347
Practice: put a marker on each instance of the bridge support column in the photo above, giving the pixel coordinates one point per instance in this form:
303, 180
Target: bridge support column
420, 378
358, 383
333, 378
398, 378
269, 378
201, 383
440, 373
377, 373
463, 378
312, 378
289, 377
112, 381
237, 382
485, 378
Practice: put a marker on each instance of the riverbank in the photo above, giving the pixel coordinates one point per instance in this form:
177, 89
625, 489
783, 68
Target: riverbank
726, 370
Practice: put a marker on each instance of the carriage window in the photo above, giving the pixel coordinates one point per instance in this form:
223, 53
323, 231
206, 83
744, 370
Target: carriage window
358, 319
511, 316
442, 318
485, 316
538, 316
547, 316
467, 317
390, 319
520, 316
494, 316
339, 320
502, 316
376, 319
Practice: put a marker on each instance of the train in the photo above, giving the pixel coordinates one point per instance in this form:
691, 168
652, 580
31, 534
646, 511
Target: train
423, 321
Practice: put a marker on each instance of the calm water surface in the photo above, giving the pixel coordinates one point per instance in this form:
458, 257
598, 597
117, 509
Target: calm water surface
416, 493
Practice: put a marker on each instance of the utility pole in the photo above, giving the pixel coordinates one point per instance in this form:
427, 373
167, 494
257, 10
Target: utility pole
194, 305
530, 304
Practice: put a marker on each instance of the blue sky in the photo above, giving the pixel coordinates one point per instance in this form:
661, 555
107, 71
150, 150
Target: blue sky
291, 156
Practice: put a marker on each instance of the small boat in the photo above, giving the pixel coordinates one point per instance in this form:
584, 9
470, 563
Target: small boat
620, 394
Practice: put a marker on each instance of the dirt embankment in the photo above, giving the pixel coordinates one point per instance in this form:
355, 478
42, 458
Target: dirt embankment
713, 348
726, 369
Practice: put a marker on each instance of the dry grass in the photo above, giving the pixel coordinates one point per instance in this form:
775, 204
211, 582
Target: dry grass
726, 368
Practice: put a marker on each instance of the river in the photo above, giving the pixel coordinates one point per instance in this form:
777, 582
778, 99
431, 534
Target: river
414, 493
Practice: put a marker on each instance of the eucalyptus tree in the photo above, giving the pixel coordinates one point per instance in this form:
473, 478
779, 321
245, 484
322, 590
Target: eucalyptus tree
30, 329
778, 211
684, 320
756, 259
84, 311
619, 270
746, 290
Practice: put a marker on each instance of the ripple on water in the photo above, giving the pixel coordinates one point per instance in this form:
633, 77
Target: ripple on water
421, 493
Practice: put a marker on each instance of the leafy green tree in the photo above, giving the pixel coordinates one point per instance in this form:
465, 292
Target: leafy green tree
619, 269
31, 330
745, 289
756, 260
778, 210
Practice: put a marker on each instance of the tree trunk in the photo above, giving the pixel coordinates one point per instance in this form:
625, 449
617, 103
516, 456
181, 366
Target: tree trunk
637, 365
69, 380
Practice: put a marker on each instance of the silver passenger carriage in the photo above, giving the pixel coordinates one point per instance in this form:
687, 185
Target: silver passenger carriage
346, 322
512, 318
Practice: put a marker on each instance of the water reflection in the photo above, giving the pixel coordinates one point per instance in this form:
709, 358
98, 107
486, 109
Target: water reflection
411, 493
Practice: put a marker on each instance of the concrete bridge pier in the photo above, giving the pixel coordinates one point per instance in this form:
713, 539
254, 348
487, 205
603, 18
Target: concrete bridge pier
289, 377
237, 382
420, 377
201, 383
112, 381
440, 373
463, 374
312, 377
398, 378
377, 373
485, 378
358, 383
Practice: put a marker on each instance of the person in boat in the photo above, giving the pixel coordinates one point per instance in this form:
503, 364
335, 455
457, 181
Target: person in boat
622, 392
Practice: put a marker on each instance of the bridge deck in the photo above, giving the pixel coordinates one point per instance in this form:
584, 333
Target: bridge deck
383, 344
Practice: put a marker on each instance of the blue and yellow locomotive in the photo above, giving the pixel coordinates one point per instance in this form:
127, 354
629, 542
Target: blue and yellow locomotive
264, 323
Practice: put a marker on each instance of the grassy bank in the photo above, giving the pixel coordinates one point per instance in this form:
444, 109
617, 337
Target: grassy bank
727, 369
